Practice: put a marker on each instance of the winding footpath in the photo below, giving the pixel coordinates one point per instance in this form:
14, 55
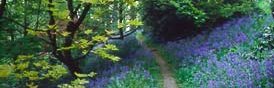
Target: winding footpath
169, 81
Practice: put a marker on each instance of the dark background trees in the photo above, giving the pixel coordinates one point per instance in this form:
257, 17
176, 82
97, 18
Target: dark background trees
184, 18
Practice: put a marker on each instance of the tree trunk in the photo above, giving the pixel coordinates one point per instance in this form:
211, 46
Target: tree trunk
65, 56
120, 14
69, 60
73, 66
2, 7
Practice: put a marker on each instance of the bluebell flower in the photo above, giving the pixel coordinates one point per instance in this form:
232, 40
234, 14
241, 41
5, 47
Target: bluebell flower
231, 70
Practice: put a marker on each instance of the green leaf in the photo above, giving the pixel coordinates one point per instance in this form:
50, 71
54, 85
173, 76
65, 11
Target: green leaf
120, 25
32, 32
92, 74
89, 31
103, 53
65, 33
111, 47
5, 70
52, 27
80, 81
32, 85
99, 38
66, 48
80, 75
96, 1
23, 58
135, 22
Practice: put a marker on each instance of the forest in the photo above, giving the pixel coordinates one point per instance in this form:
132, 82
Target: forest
136, 43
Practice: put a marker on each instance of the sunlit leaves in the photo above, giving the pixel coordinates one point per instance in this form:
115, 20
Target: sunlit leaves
32, 75
96, 1
52, 27
99, 38
77, 83
109, 32
65, 33
80, 44
56, 72
90, 1
80, 81
104, 52
66, 48
85, 51
98, 13
32, 85
187, 7
31, 32
5, 70
58, 10
22, 66
135, 22
264, 5
83, 43
111, 47
88, 31
42, 64
79, 75
62, 15
23, 58
33, 69
134, 3
120, 25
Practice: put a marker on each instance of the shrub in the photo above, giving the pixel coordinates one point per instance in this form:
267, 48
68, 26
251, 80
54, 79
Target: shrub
31, 71
184, 18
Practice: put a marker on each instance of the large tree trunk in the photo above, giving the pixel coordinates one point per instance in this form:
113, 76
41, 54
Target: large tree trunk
2, 7
65, 56
72, 65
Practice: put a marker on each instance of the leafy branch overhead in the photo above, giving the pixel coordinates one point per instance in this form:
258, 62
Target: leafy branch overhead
68, 31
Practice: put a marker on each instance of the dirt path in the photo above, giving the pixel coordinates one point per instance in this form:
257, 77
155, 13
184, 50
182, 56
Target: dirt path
169, 81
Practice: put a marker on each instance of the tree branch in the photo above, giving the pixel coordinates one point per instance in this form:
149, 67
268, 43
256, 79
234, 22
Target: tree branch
70, 8
51, 19
77, 8
83, 15
83, 56
125, 34
52, 36
121, 17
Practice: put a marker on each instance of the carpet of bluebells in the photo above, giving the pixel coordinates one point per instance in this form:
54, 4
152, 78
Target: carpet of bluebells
137, 69
229, 56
